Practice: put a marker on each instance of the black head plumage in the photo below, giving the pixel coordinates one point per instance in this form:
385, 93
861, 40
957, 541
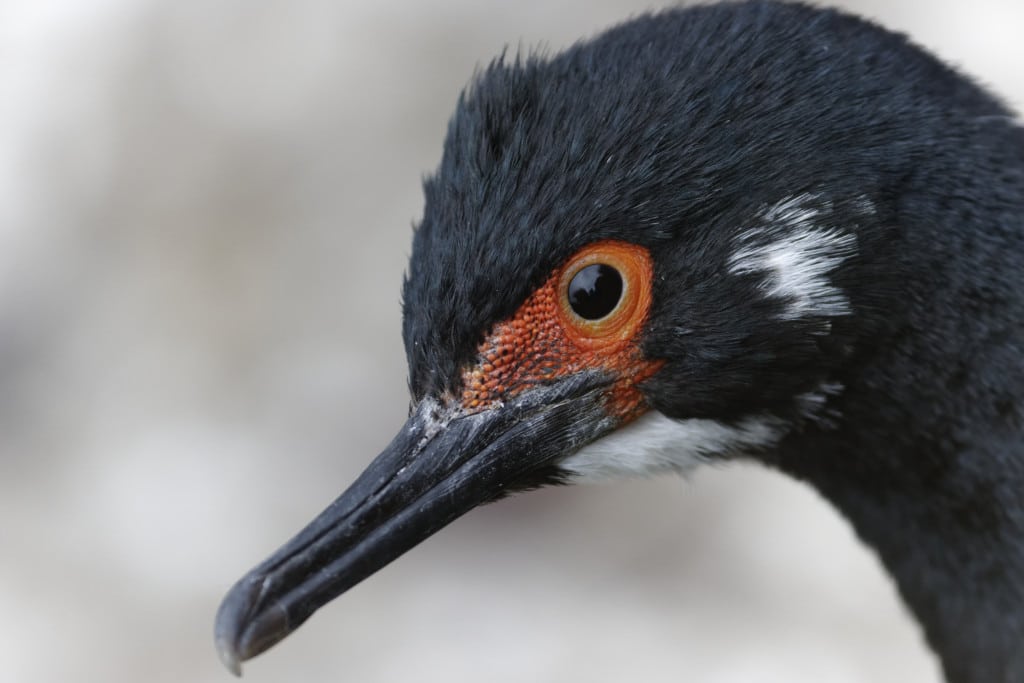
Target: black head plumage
831, 225
675, 131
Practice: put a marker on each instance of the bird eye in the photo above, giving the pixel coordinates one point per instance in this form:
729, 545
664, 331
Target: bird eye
605, 293
594, 292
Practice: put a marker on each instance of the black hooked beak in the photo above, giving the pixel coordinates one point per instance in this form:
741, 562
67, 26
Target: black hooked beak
435, 470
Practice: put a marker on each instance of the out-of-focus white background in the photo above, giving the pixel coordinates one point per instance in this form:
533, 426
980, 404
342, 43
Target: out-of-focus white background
205, 212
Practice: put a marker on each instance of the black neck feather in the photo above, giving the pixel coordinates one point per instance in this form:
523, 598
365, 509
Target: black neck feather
927, 461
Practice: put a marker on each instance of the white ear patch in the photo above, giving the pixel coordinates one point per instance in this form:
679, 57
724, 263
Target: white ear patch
655, 444
796, 253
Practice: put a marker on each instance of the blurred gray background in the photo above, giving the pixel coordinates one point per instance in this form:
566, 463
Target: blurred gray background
205, 213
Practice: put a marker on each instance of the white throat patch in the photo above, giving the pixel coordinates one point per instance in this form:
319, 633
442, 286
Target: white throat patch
796, 253
655, 444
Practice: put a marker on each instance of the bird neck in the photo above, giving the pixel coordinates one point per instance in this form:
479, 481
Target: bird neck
936, 486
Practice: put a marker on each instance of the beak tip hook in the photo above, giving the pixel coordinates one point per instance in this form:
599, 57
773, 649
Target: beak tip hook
229, 657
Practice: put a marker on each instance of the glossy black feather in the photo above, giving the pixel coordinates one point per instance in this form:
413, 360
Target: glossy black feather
678, 131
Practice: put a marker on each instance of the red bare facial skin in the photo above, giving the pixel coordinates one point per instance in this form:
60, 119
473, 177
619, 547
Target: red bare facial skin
545, 339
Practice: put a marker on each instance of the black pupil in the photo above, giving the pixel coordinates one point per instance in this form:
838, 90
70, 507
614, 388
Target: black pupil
595, 291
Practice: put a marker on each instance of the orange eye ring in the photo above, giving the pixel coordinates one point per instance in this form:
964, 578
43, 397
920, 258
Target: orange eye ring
618, 327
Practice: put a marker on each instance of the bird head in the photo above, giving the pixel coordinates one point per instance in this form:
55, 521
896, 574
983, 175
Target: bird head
655, 249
